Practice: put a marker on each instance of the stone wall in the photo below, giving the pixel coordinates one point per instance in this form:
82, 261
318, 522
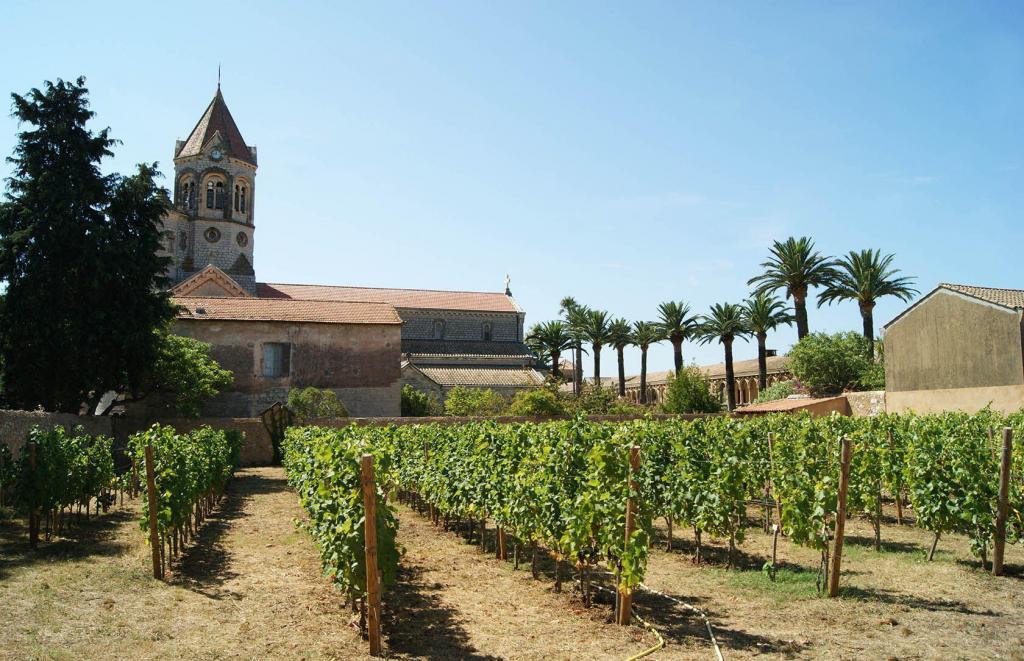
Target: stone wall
359, 362
459, 325
257, 451
15, 425
868, 403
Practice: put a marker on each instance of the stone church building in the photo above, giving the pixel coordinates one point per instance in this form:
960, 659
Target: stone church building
363, 343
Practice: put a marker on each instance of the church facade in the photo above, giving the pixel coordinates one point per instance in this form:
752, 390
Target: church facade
364, 343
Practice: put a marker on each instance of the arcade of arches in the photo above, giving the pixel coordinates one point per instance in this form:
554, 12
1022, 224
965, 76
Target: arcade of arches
745, 372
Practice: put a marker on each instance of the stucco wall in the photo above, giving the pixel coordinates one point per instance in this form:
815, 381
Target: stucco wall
361, 363
951, 341
1007, 399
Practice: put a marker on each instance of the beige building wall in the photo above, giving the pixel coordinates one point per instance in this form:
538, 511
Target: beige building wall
1007, 399
951, 341
360, 362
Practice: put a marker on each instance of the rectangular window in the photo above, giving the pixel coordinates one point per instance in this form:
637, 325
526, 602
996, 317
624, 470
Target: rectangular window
276, 359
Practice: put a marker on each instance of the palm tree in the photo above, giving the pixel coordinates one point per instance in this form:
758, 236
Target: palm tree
725, 323
645, 333
765, 313
795, 266
595, 329
620, 336
865, 277
677, 324
575, 318
550, 338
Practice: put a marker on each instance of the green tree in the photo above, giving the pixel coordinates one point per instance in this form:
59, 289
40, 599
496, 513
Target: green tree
182, 378
865, 277
794, 265
538, 402
575, 320
596, 331
677, 324
778, 390
308, 404
831, 364
688, 392
725, 323
620, 336
419, 404
78, 258
764, 314
645, 333
480, 402
549, 339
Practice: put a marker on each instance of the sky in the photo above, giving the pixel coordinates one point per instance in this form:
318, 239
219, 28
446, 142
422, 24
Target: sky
621, 153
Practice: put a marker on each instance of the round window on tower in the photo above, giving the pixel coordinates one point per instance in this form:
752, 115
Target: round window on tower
212, 234
242, 239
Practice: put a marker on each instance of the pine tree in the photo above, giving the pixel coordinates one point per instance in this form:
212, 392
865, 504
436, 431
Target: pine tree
78, 258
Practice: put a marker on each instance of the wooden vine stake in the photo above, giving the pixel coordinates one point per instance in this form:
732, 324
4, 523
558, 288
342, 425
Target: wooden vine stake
154, 536
33, 513
837, 551
625, 614
1003, 509
372, 575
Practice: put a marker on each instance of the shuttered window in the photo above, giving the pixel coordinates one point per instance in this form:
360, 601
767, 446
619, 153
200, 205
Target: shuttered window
276, 359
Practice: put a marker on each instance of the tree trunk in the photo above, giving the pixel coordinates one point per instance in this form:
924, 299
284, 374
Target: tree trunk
555, 357
800, 307
730, 376
577, 369
643, 375
677, 351
597, 365
762, 362
622, 371
868, 317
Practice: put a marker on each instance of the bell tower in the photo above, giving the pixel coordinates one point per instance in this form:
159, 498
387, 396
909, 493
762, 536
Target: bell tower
214, 199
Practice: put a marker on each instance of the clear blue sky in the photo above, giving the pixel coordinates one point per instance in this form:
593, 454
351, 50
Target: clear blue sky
624, 154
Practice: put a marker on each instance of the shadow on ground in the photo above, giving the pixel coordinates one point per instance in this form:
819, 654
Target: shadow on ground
81, 538
419, 624
205, 566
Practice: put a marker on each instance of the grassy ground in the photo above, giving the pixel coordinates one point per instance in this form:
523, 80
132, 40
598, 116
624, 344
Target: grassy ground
252, 588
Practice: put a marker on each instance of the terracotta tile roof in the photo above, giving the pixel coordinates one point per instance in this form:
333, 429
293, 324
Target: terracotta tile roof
1008, 298
481, 377
466, 348
217, 118
400, 298
255, 309
782, 405
775, 364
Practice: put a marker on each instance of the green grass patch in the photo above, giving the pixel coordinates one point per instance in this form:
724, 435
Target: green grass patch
789, 583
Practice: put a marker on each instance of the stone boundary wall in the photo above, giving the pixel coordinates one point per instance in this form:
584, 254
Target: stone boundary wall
867, 403
258, 450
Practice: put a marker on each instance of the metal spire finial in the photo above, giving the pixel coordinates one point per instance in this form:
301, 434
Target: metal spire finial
218, 76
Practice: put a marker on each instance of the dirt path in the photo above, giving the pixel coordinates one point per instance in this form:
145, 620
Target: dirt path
463, 604
252, 588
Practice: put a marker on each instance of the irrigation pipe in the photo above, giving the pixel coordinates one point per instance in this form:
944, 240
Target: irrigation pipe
693, 609
703, 616
647, 625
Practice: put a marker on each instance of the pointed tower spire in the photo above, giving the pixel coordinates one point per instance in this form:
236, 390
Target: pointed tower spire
217, 122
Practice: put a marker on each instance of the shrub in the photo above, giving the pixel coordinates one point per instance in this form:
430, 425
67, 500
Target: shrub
311, 403
688, 392
546, 401
465, 401
419, 404
779, 390
593, 400
831, 364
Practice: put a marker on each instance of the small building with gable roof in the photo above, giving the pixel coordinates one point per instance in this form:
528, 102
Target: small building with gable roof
959, 347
